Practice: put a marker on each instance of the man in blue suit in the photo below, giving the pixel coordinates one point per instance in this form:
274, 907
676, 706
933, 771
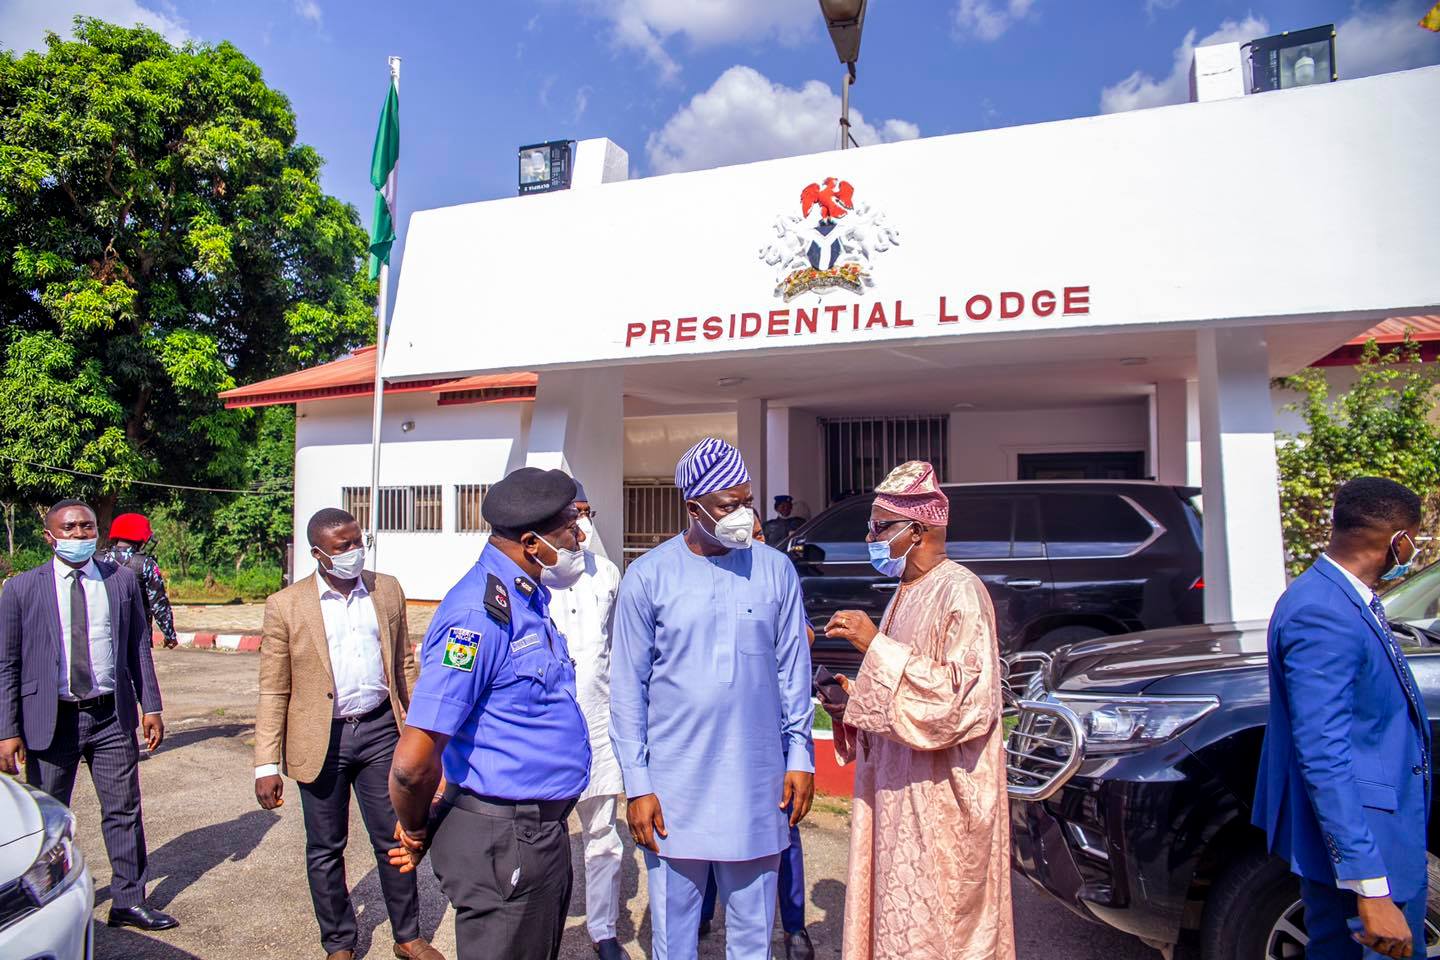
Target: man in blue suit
74, 661
1345, 779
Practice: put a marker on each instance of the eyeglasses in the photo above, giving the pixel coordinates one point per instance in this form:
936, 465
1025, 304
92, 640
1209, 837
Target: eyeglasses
877, 527
584, 512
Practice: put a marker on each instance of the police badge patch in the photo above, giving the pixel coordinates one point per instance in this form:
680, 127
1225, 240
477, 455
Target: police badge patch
461, 645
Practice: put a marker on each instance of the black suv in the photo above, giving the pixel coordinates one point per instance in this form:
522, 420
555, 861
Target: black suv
1150, 833
1064, 561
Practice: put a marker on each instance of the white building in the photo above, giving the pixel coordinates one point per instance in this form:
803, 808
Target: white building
1102, 296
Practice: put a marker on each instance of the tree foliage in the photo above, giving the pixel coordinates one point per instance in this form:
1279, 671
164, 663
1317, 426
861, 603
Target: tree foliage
162, 236
1381, 426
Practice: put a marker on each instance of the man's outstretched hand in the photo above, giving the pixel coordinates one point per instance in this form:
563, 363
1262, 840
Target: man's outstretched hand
798, 795
646, 821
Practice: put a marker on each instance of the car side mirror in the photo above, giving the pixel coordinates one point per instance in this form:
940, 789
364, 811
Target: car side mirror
807, 553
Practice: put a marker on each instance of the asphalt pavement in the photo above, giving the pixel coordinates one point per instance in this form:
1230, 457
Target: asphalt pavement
235, 874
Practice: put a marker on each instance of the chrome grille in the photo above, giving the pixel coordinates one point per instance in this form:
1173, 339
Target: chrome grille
1044, 741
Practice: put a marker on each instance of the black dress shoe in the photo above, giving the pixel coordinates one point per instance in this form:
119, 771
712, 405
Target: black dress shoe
142, 917
798, 946
610, 950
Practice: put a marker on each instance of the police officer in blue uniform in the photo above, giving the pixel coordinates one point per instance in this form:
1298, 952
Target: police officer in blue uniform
495, 708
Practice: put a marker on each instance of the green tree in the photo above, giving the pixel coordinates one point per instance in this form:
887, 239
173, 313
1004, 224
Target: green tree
1381, 426
162, 235
259, 524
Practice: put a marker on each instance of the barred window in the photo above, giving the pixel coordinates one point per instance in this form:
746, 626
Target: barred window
356, 502
469, 497
401, 508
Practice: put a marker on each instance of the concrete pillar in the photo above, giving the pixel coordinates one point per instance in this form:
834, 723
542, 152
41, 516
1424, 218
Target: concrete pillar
598, 161
777, 458
751, 426
1168, 432
1193, 459
1244, 555
578, 425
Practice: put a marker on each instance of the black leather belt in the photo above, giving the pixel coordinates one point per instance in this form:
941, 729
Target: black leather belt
543, 810
102, 702
374, 714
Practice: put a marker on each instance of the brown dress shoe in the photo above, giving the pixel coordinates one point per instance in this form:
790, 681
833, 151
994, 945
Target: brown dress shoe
418, 949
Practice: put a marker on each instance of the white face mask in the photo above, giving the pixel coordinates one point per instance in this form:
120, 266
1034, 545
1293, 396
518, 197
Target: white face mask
347, 565
568, 567
735, 530
587, 527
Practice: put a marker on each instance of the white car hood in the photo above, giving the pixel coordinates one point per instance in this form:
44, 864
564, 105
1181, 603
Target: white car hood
21, 829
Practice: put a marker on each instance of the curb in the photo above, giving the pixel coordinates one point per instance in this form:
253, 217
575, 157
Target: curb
232, 642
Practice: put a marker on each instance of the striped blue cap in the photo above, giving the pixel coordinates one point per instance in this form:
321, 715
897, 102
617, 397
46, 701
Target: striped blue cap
710, 465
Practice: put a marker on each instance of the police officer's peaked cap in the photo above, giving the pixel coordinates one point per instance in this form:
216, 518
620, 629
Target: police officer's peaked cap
526, 497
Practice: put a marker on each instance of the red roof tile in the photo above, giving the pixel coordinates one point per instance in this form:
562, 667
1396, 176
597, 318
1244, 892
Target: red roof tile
1423, 327
354, 376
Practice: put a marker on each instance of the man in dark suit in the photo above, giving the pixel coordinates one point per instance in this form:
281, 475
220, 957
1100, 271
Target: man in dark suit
74, 659
1345, 778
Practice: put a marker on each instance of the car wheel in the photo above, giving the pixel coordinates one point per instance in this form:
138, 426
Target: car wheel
1060, 636
1254, 912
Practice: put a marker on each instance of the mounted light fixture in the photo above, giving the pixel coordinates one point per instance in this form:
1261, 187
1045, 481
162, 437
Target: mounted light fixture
845, 20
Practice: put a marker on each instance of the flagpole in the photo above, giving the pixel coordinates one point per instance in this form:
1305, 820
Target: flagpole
382, 303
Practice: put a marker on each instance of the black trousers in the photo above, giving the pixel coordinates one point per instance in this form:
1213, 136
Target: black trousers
358, 759
93, 733
506, 869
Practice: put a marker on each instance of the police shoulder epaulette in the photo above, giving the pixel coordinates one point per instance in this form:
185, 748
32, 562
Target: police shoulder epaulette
497, 601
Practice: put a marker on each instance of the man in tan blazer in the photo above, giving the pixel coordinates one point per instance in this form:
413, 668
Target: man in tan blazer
336, 671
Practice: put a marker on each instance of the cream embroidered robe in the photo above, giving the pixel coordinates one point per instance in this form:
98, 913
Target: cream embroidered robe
930, 830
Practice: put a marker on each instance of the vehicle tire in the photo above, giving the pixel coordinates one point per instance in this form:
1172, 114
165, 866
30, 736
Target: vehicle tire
1254, 913
1060, 636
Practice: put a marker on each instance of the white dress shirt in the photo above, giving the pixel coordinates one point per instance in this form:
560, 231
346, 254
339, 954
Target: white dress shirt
352, 634
97, 610
584, 613
1371, 886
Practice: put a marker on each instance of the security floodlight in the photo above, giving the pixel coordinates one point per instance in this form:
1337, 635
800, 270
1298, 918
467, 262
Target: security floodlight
1297, 58
845, 18
545, 167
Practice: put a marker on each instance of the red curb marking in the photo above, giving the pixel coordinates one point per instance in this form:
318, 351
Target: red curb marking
204, 640
249, 644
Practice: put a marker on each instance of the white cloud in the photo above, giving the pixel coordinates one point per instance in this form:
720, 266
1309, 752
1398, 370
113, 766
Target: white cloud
989, 19
1153, 5
23, 23
649, 26
745, 117
582, 102
1381, 40
309, 10
1141, 90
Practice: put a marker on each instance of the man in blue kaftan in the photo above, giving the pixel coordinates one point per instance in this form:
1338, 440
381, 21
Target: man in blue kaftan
710, 711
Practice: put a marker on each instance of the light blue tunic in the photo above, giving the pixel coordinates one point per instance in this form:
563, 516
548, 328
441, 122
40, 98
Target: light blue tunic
710, 696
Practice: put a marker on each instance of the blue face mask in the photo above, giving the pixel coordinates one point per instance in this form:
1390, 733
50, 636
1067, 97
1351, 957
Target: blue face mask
1398, 569
881, 560
75, 551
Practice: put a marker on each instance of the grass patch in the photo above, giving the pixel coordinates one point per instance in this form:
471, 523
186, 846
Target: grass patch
249, 583
822, 720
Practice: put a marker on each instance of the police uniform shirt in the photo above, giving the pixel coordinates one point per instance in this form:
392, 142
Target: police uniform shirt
497, 678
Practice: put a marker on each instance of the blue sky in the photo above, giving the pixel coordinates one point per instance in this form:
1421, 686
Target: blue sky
682, 84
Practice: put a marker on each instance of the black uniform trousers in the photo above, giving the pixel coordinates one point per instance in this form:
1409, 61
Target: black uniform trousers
361, 749
505, 866
91, 731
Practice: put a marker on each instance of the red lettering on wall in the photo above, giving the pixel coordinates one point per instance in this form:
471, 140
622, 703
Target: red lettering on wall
779, 323
685, 329
947, 317
747, 327
660, 327
1043, 303
970, 307
1012, 304
805, 319
714, 328
877, 317
633, 330
900, 319
855, 318
1077, 300
835, 310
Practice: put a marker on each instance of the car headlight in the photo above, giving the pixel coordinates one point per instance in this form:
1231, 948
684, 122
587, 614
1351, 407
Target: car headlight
59, 860
1119, 724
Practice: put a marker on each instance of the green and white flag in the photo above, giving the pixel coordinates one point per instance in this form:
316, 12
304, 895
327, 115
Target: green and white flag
382, 177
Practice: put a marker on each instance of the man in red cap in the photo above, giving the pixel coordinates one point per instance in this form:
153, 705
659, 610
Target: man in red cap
129, 533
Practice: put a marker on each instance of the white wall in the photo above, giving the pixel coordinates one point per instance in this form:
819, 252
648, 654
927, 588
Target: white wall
984, 445
465, 443
653, 445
